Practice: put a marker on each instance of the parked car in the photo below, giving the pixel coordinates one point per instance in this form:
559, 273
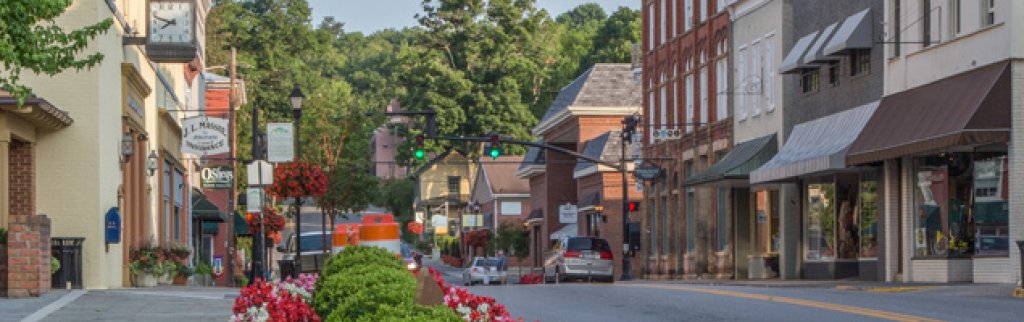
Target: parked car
409, 258
485, 271
312, 250
586, 258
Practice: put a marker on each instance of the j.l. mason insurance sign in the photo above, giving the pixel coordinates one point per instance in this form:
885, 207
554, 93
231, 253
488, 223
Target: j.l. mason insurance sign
204, 135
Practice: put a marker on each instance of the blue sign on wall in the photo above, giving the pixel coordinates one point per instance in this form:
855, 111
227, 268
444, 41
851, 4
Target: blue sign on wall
112, 226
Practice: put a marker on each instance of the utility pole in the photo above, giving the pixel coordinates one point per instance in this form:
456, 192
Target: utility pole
628, 127
257, 243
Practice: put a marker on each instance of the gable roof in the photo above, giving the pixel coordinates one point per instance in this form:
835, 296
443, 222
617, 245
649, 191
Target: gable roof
607, 147
608, 87
500, 175
532, 162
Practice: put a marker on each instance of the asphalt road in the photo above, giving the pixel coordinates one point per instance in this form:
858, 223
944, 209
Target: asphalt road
668, 301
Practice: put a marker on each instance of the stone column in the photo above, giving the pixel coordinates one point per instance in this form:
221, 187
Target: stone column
1016, 171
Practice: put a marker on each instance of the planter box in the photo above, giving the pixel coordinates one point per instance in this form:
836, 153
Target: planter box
145, 280
165, 279
180, 280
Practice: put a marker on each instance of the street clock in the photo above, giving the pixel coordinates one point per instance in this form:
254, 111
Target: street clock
171, 31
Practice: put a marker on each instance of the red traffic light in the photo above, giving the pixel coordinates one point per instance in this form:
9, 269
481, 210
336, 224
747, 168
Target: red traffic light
419, 139
634, 206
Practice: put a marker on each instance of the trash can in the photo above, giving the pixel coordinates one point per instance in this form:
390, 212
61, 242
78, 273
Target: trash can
287, 267
69, 252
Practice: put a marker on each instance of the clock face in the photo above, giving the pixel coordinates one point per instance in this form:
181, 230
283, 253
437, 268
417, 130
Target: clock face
171, 22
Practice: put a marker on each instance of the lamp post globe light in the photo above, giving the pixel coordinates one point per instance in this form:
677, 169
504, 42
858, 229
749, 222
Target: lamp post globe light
297, 98
152, 163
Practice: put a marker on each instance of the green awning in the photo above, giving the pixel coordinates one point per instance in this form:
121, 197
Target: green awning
211, 228
204, 210
737, 165
241, 227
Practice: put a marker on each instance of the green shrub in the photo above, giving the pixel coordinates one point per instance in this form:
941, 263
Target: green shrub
360, 256
360, 290
54, 265
3, 236
439, 313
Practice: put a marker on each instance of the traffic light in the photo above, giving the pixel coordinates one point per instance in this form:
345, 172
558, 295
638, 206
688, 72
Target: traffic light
418, 152
494, 148
634, 206
629, 125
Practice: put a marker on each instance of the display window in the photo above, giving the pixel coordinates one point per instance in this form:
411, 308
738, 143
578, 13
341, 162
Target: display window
820, 223
960, 205
868, 214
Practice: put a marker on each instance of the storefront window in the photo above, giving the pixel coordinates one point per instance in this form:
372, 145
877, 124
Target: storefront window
820, 227
960, 204
868, 216
991, 209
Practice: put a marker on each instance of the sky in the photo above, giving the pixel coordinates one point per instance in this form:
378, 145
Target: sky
368, 16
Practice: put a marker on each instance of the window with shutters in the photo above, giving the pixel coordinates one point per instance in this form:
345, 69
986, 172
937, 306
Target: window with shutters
768, 81
753, 87
704, 95
741, 79
689, 102
722, 88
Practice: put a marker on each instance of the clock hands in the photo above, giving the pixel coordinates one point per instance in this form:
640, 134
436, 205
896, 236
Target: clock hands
168, 23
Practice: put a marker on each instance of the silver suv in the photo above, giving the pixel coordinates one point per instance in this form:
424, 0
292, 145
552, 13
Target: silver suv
312, 250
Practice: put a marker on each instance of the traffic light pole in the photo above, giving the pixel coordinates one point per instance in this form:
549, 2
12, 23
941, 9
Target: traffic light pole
627, 268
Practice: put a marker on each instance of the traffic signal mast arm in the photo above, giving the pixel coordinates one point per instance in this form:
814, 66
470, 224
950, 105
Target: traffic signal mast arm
616, 166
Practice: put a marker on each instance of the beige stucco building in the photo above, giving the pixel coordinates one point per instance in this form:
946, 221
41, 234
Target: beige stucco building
127, 102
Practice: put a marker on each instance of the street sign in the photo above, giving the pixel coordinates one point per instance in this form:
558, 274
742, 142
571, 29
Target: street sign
567, 213
280, 142
253, 200
216, 177
647, 172
261, 173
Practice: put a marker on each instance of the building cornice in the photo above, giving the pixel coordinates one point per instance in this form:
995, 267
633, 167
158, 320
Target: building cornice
571, 111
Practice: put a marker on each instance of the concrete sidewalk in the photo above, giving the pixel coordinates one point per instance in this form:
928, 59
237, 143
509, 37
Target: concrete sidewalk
163, 303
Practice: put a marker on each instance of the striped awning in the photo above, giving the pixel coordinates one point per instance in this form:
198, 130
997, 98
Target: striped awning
816, 146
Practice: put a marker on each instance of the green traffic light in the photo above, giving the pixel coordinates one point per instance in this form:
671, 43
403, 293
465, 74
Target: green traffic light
419, 154
495, 153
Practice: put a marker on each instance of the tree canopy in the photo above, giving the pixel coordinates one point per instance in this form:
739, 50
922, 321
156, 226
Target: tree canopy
31, 40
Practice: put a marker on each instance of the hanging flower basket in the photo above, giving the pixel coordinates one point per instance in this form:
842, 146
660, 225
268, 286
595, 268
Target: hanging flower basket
298, 179
272, 221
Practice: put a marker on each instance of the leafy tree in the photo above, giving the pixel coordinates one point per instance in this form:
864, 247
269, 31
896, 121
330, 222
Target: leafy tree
397, 195
31, 40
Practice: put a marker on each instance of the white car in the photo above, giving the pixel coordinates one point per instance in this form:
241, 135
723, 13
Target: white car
485, 271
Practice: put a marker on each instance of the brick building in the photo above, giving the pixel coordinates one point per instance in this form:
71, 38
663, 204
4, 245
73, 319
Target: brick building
687, 127
502, 197
25, 257
590, 106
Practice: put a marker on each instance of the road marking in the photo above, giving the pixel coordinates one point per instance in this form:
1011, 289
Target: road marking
53, 307
894, 289
886, 315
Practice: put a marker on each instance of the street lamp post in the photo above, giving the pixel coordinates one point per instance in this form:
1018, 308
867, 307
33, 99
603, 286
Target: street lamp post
296, 98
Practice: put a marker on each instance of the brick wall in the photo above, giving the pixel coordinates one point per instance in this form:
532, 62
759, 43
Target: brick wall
28, 240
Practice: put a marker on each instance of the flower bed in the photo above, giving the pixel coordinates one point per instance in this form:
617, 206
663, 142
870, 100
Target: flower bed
471, 307
282, 301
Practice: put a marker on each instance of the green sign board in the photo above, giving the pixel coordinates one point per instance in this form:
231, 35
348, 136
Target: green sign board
217, 177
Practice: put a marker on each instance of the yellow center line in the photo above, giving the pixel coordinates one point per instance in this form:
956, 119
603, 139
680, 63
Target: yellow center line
886, 315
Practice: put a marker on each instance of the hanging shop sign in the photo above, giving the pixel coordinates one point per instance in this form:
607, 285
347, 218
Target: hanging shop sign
217, 177
647, 172
204, 136
280, 142
567, 213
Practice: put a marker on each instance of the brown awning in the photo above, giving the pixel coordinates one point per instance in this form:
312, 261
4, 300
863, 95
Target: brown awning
971, 108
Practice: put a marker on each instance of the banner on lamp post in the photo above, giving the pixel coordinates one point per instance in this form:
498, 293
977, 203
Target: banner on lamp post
202, 135
253, 200
280, 142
